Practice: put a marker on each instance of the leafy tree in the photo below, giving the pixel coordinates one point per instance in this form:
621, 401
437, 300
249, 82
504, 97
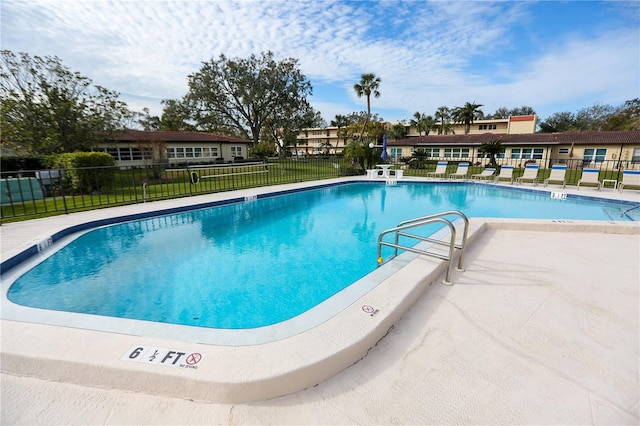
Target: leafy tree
147, 121
175, 116
492, 148
593, 117
364, 127
263, 149
523, 110
397, 131
559, 122
467, 114
245, 94
283, 128
367, 86
48, 109
502, 112
625, 117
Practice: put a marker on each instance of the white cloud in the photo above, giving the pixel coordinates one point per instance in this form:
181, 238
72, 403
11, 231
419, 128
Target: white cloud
427, 54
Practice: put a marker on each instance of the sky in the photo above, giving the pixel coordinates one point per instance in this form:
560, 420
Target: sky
553, 56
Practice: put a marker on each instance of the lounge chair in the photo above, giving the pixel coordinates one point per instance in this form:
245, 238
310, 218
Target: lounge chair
590, 176
629, 178
486, 174
558, 171
530, 173
462, 172
506, 173
441, 170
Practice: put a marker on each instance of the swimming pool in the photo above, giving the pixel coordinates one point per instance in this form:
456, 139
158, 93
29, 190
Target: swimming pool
259, 262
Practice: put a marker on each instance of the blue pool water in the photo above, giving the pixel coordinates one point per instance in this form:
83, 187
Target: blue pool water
257, 263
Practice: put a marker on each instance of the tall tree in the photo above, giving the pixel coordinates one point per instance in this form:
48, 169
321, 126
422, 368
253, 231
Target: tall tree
593, 118
523, 110
244, 94
341, 121
47, 109
397, 131
467, 114
285, 126
443, 114
367, 86
563, 121
625, 117
423, 123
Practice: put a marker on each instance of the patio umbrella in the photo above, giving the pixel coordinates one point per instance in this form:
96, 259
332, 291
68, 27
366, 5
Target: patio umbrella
384, 154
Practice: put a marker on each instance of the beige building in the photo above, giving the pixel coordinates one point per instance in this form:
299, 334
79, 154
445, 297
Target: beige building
619, 149
136, 148
325, 140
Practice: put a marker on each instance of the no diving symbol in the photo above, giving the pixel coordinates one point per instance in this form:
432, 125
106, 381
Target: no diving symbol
194, 358
367, 309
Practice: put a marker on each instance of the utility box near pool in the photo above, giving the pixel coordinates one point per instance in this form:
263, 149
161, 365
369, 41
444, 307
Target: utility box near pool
16, 190
48, 179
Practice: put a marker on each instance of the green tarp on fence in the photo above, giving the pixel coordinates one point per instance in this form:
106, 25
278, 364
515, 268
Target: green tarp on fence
20, 189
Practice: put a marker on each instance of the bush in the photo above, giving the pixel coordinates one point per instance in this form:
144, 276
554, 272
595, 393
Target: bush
85, 172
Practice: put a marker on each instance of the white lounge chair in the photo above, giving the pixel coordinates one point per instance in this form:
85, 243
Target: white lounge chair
629, 178
462, 172
590, 176
530, 173
558, 172
486, 174
506, 173
441, 170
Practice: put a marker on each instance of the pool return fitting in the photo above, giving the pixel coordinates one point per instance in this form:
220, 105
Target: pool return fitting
400, 231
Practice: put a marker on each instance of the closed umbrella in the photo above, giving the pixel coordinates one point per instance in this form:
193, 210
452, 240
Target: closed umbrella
384, 154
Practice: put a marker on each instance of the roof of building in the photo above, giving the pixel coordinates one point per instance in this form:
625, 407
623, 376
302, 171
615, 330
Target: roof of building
175, 136
522, 118
585, 138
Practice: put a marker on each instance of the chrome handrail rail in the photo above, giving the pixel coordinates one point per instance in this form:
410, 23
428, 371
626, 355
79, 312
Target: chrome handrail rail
427, 220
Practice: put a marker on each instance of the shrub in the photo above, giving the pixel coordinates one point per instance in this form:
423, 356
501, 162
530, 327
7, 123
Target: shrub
85, 172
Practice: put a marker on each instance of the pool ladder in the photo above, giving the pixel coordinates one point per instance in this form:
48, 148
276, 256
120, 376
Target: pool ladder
401, 231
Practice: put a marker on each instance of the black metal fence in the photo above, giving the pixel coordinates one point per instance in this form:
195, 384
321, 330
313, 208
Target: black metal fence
28, 194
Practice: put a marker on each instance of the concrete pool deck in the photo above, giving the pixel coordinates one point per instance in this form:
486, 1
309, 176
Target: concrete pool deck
542, 327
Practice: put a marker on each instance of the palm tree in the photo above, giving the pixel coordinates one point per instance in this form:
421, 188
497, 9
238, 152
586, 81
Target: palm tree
423, 123
340, 122
368, 86
444, 115
492, 148
466, 114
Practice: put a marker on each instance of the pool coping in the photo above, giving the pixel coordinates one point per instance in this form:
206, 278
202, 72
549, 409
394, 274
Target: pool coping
232, 374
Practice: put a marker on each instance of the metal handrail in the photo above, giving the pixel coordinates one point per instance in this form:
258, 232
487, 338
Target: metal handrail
427, 220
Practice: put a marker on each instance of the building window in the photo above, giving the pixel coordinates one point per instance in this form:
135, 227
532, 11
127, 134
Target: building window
501, 154
317, 132
563, 151
396, 152
487, 127
635, 159
456, 152
236, 151
527, 153
429, 152
597, 155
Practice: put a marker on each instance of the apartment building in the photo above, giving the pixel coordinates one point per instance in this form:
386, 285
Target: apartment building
325, 140
577, 149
